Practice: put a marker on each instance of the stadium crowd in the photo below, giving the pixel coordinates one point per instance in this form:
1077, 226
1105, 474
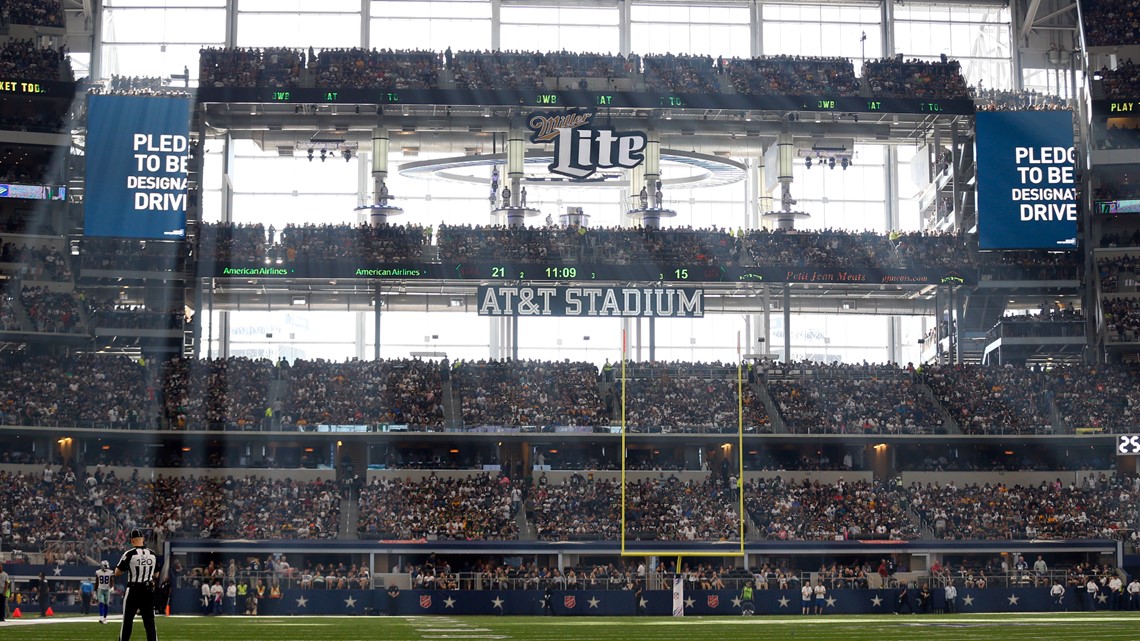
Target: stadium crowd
37, 262
250, 67
1065, 321
1029, 265
491, 70
1097, 396
100, 508
1099, 508
687, 397
39, 13
851, 399
501, 70
310, 243
245, 394
82, 390
405, 391
230, 393
132, 254
1110, 268
438, 508
137, 86
108, 311
680, 73
52, 311
1121, 319
529, 393
25, 60
895, 78
9, 315
1002, 100
617, 245
813, 511
793, 76
667, 509
362, 69
985, 400
1121, 82
1110, 23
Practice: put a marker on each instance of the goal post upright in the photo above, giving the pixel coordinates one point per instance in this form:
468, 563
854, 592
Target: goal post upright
679, 554
623, 450
740, 436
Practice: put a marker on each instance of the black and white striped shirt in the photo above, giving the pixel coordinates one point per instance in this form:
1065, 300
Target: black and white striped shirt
139, 566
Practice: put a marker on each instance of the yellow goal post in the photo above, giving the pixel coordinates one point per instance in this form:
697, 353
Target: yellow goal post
736, 551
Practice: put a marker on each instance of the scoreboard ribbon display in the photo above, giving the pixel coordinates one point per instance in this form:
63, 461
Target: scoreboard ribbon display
138, 151
599, 302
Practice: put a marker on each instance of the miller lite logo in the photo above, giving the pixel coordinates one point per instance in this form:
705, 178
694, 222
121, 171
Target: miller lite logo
581, 149
569, 602
425, 600
714, 600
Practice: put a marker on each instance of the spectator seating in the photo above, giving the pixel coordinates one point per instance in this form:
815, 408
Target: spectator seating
992, 399
473, 508
687, 397
1104, 509
896, 78
536, 393
36, 13
793, 76
1110, 23
851, 399
25, 60
666, 509
811, 511
401, 391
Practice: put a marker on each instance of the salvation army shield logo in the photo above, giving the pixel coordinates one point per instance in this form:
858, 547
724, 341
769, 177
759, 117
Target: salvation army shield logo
425, 600
714, 600
569, 601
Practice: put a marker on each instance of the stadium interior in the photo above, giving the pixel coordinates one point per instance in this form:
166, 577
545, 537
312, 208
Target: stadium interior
488, 298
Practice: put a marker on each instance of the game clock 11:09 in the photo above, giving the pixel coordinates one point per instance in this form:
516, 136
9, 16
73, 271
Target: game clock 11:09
644, 272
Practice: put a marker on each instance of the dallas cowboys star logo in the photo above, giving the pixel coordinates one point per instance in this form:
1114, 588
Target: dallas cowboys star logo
449, 602
876, 601
736, 602
57, 571
644, 603
689, 602
783, 602
1103, 598
830, 602
1013, 599
593, 602
350, 602
497, 603
302, 602
969, 600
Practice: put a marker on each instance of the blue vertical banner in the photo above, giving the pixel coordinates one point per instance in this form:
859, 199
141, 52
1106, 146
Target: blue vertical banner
1027, 195
138, 151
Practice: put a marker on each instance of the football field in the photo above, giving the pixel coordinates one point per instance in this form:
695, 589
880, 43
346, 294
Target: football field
1109, 626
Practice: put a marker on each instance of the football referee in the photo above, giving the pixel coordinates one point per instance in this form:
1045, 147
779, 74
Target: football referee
141, 566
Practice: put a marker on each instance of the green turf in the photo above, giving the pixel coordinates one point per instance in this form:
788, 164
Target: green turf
1004, 627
